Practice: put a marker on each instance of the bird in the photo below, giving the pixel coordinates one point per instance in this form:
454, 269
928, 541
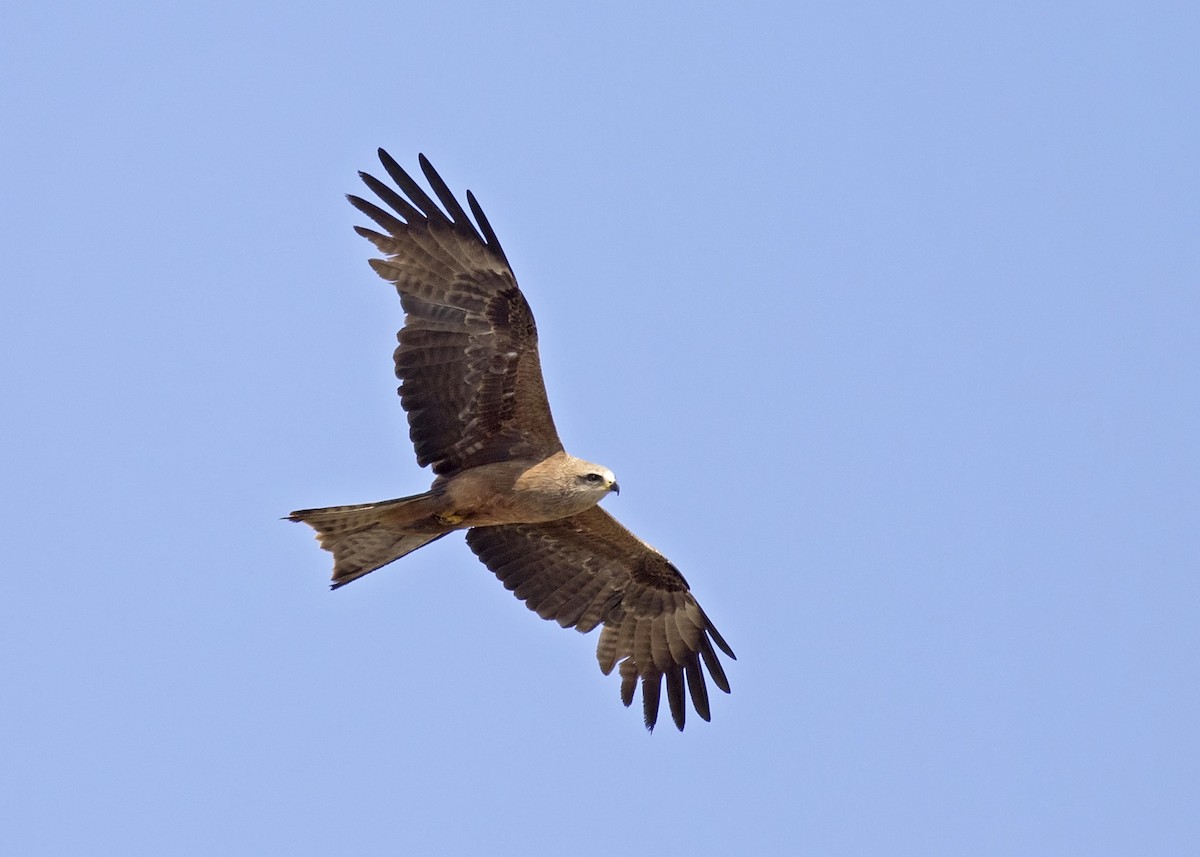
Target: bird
472, 388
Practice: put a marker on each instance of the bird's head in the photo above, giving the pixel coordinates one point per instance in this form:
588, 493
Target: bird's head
597, 479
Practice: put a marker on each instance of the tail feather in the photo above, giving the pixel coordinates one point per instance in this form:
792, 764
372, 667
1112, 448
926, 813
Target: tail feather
368, 536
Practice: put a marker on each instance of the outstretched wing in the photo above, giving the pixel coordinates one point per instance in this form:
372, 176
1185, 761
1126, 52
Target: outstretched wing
588, 570
471, 381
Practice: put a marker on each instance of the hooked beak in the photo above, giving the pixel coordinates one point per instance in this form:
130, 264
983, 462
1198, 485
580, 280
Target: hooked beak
615, 488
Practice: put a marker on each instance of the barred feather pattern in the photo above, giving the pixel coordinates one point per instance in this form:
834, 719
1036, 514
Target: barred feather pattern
589, 570
467, 359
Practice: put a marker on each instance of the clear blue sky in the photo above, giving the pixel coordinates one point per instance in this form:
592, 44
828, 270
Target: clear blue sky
887, 316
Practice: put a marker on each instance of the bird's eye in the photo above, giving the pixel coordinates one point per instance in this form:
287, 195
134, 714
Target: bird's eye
593, 477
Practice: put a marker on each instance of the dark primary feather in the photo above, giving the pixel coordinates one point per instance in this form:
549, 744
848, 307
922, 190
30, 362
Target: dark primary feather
588, 570
471, 380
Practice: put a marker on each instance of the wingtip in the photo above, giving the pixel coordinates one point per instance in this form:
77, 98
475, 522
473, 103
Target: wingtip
389, 163
432, 175
679, 718
716, 636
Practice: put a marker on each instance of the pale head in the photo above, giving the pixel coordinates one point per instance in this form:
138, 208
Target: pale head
561, 486
594, 478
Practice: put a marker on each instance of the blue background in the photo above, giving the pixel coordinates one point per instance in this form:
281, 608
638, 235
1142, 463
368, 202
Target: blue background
885, 315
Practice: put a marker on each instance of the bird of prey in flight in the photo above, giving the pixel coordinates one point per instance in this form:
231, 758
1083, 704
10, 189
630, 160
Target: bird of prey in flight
471, 384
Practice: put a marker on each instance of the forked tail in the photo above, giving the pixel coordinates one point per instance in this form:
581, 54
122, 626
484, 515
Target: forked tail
368, 536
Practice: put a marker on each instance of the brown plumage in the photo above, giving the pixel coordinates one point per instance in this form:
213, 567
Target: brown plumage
471, 384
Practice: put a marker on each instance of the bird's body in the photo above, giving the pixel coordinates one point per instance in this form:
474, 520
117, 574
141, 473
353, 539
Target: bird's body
524, 491
471, 384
